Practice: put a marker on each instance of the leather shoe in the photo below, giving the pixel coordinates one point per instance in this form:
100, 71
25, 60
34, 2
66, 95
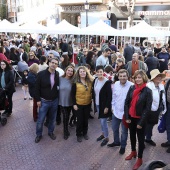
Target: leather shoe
122, 151
100, 138
52, 136
79, 139
151, 142
86, 137
104, 142
166, 144
38, 138
113, 144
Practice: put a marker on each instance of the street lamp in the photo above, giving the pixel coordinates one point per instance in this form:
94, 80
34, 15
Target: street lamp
86, 7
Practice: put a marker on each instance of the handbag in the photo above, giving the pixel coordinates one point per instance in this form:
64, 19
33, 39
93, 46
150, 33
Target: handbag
162, 124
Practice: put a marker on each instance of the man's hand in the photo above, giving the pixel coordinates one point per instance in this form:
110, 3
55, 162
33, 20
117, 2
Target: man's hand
128, 121
106, 110
39, 104
75, 107
139, 127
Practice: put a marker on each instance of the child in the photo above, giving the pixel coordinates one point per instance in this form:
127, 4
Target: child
25, 84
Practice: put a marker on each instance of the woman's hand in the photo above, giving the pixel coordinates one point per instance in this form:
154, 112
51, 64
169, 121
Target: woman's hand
139, 127
128, 121
75, 107
106, 110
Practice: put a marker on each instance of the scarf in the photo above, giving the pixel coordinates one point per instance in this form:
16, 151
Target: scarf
135, 98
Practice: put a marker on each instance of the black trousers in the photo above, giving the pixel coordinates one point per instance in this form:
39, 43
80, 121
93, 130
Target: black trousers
82, 119
140, 136
66, 115
73, 117
9, 108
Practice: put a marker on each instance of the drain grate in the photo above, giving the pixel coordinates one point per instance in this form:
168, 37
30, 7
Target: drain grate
95, 166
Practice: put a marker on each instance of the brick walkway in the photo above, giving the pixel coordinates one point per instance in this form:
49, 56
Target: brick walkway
19, 152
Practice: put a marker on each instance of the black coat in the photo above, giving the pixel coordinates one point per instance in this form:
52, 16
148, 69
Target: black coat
31, 83
9, 81
143, 106
152, 63
105, 98
128, 52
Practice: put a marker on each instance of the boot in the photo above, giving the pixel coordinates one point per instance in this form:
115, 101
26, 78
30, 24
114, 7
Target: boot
132, 154
137, 164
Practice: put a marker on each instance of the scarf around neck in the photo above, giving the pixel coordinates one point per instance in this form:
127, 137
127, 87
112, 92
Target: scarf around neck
135, 98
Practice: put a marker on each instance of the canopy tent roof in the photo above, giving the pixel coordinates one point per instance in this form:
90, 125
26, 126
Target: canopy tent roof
100, 28
64, 28
142, 30
6, 26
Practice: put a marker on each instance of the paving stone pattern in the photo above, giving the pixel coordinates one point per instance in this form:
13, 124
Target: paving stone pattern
19, 152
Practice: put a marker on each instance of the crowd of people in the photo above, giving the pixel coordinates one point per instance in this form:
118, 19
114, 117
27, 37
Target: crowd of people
130, 89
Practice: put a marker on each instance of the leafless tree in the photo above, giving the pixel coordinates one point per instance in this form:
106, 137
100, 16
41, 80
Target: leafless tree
130, 10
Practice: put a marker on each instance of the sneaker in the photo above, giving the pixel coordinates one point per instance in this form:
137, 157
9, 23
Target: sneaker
168, 150
113, 144
109, 119
86, 137
100, 138
38, 138
52, 136
166, 144
104, 142
122, 151
151, 142
79, 139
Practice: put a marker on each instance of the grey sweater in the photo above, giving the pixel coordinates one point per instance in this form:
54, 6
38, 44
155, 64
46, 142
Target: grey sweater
65, 99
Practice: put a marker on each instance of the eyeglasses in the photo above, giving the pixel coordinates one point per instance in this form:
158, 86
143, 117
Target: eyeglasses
54, 63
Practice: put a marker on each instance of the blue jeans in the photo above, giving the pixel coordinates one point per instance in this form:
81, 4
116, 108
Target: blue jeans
148, 131
167, 117
104, 126
124, 132
51, 108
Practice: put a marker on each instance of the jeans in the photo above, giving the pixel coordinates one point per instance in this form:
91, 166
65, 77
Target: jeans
148, 131
167, 118
140, 135
124, 132
104, 126
51, 108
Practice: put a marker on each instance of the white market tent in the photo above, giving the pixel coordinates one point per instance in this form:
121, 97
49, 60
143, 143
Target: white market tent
64, 28
100, 28
6, 26
142, 30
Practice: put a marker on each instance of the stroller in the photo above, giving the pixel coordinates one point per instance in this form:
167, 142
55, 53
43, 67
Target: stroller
3, 105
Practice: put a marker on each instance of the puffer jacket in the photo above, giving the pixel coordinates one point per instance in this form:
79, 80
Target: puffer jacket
143, 106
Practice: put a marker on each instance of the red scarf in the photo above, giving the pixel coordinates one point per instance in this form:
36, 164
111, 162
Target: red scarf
135, 97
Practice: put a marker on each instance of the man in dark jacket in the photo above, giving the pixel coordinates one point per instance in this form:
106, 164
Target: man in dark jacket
64, 47
128, 52
46, 94
163, 57
151, 62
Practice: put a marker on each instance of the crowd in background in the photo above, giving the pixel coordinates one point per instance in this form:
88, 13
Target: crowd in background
131, 89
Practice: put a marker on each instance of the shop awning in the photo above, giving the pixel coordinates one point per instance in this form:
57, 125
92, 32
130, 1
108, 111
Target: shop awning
100, 28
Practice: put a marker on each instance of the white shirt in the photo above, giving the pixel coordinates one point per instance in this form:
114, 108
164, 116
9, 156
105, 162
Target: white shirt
119, 93
61, 72
156, 96
102, 60
21, 57
97, 87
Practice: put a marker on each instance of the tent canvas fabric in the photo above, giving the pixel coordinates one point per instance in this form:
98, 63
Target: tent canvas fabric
100, 28
64, 28
142, 30
6, 26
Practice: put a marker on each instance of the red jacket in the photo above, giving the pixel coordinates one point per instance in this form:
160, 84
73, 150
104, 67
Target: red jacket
3, 57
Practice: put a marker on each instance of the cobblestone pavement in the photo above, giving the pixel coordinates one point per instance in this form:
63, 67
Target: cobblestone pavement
19, 152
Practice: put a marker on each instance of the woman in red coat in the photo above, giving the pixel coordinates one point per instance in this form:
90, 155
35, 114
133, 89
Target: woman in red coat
2, 56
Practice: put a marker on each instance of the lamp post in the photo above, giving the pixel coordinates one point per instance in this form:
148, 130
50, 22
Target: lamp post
86, 7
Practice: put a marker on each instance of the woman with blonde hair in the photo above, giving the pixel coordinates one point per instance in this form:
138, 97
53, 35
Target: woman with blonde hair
65, 100
32, 58
32, 76
82, 97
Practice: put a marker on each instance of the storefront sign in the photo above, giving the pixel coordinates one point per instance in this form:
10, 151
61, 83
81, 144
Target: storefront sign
78, 8
151, 13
